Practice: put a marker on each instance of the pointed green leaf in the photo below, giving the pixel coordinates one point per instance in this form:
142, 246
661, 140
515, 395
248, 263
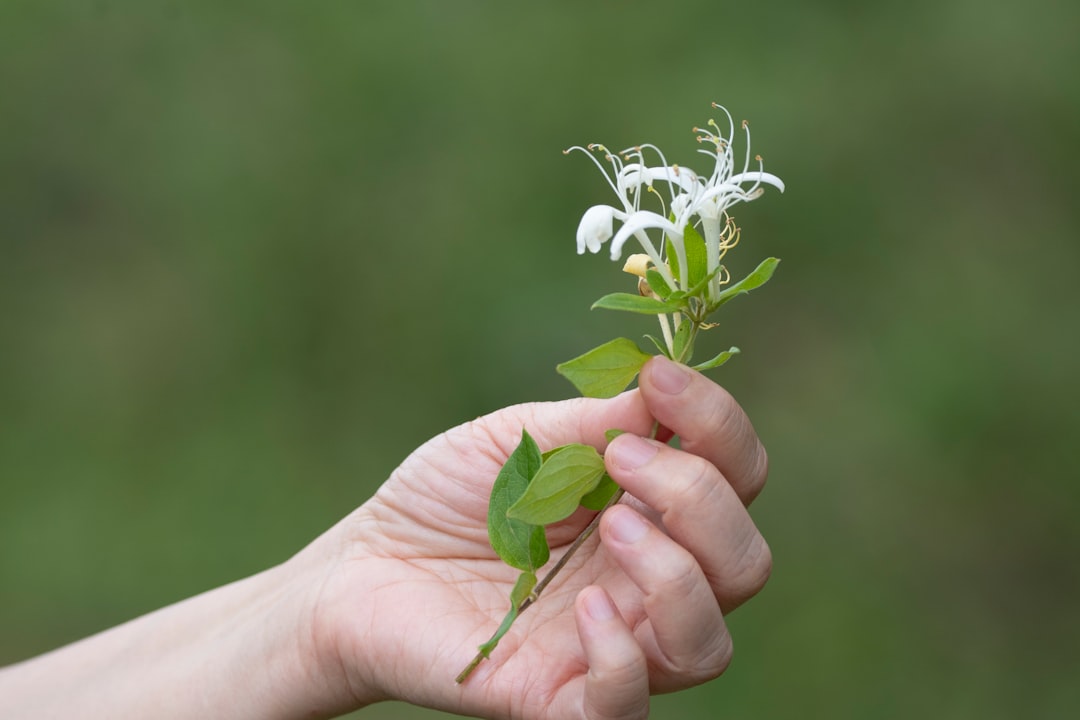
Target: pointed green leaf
657, 283
756, 279
598, 498
672, 257
682, 337
629, 302
519, 544
604, 371
718, 360
700, 286
659, 345
558, 487
697, 258
522, 588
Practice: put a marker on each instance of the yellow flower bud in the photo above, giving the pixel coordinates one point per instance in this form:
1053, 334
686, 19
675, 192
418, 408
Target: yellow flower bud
637, 264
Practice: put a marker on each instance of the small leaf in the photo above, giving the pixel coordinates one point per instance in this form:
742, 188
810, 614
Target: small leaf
659, 345
657, 283
598, 498
519, 544
558, 487
544, 456
524, 585
697, 259
756, 279
672, 257
718, 360
605, 371
629, 302
613, 433
682, 337
697, 289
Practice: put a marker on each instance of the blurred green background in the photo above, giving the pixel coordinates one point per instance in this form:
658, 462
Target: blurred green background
252, 254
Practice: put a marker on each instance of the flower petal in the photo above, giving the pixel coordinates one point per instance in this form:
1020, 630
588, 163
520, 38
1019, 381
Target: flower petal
682, 177
637, 222
596, 227
756, 176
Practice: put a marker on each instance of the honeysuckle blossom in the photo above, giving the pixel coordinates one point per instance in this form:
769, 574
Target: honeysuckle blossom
700, 201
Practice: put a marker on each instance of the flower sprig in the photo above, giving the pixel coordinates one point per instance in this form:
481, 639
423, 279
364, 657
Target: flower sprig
680, 280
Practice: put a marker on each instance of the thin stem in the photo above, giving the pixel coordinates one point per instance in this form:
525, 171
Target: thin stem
574, 547
473, 664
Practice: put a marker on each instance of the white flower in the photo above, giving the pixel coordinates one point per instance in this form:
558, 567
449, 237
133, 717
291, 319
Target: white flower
596, 227
692, 199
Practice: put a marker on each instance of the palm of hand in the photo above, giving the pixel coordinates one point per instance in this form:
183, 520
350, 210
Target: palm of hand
439, 590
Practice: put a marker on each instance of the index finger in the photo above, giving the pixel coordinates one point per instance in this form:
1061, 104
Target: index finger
708, 421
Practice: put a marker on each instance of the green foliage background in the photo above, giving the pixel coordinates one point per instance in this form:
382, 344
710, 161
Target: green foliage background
252, 254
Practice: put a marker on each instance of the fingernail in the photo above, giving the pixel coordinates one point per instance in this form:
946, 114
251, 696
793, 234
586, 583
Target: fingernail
630, 452
598, 606
627, 526
668, 376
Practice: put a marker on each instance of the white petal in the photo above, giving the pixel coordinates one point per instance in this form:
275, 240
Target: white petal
595, 228
682, 177
635, 174
637, 222
757, 176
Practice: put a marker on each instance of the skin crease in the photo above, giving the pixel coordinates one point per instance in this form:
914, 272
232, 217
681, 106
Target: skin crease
392, 601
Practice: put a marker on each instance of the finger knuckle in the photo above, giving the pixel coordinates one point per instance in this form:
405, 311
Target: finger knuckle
700, 483
758, 472
684, 576
717, 658
754, 567
709, 660
722, 415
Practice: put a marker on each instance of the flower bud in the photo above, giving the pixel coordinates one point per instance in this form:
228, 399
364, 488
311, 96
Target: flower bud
637, 264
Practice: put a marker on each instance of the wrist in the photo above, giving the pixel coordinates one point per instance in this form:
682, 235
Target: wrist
332, 612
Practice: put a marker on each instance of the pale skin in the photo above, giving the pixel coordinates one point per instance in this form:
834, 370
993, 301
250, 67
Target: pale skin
392, 601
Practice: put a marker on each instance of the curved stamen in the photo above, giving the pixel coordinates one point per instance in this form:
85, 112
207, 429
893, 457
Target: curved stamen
663, 160
663, 207
746, 164
731, 122
589, 153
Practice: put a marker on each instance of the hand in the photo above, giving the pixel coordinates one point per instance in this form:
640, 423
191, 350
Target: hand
412, 585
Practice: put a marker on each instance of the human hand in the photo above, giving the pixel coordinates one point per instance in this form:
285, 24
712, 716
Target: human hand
411, 585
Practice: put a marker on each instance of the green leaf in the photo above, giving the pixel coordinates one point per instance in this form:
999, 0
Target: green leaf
657, 283
598, 498
629, 302
605, 371
659, 345
558, 487
682, 337
718, 360
756, 279
697, 258
522, 588
519, 544
549, 453
672, 257
697, 289
613, 433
